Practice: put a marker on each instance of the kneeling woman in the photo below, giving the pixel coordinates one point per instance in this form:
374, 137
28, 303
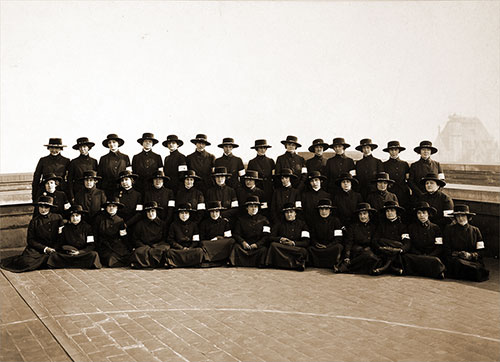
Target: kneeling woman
251, 233
77, 250
149, 239
43, 238
184, 239
289, 242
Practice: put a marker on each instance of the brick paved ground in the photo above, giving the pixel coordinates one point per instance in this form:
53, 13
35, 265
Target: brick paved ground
238, 314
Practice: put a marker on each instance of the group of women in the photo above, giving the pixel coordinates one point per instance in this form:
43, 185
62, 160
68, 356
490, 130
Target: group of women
367, 216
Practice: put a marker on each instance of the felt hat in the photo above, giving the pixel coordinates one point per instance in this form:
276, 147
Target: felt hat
150, 205
148, 136
189, 174
228, 141
83, 141
185, 207
315, 174
214, 205
433, 177
252, 200
51, 176
392, 205
90, 174
77, 209
113, 136
289, 206
44, 200
251, 175
172, 138
261, 143
339, 141
318, 142
325, 204
291, 139
201, 138
462, 209
366, 142
220, 171
422, 205
425, 144
55, 142
345, 176
394, 144
382, 176
285, 172
127, 173
160, 174
364, 206
113, 201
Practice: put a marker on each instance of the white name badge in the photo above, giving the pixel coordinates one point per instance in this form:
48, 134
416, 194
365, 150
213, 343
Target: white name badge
441, 176
234, 203
304, 169
123, 232
438, 241
353, 172
263, 205
67, 206
201, 206
171, 203
337, 233
480, 245
228, 234
447, 213
90, 239
241, 172
60, 229
196, 237
138, 207
181, 168
298, 203
266, 229
304, 234
405, 236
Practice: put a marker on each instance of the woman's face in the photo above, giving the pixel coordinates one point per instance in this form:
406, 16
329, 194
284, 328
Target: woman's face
423, 215
189, 182
43, 210
84, 150
158, 182
364, 216
324, 212
50, 186
111, 209
184, 215
391, 214
151, 214
252, 209
75, 218
431, 186
290, 215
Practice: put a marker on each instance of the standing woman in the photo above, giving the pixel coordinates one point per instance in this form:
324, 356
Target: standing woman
422, 167
290, 160
201, 161
53, 163
437, 199
399, 171
189, 193
175, 162
146, 163
163, 196
79, 165
232, 163
265, 167
367, 167
285, 193
338, 165
91, 198
346, 199
318, 161
111, 164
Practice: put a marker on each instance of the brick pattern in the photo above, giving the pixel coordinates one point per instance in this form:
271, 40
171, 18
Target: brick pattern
244, 314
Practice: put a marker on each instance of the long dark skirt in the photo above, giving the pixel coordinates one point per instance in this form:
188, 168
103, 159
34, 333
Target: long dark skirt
325, 258
30, 259
286, 256
86, 259
149, 256
114, 254
363, 260
466, 270
184, 257
390, 260
423, 265
217, 250
253, 257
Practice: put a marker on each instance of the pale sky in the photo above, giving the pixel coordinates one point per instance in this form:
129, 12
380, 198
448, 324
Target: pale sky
248, 70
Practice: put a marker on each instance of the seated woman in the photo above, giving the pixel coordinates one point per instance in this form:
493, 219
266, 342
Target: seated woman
184, 239
464, 246
216, 236
90, 197
130, 198
110, 236
76, 248
359, 257
326, 237
43, 239
149, 239
251, 232
284, 192
391, 239
436, 198
223, 193
49, 188
426, 248
188, 192
163, 196
289, 242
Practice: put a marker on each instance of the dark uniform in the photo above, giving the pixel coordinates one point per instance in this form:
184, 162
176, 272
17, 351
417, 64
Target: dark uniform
202, 163
232, 163
335, 167
265, 167
297, 164
309, 200
366, 169
282, 196
398, 171
61, 202
110, 166
346, 203
76, 170
174, 165
165, 198
443, 205
109, 233
145, 164
91, 200
46, 165
132, 205
377, 198
216, 238
194, 197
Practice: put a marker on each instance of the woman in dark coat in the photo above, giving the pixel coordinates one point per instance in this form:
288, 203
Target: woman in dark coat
346, 200
426, 249
284, 193
49, 188
265, 167
149, 239
189, 193
184, 239
437, 199
326, 237
313, 192
251, 233
162, 195
464, 247
90, 197
289, 242
43, 239
76, 248
359, 256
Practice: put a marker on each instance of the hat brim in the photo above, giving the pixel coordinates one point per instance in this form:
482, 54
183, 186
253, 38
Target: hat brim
221, 174
429, 209
132, 176
290, 208
153, 208
81, 212
433, 149
166, 178
252, 203
251, 178
462, 213
372, 145
278, 176
383, 179
373, 211
140, 140
228, 144
198, 140
295, 143
322, 178
183, 177
339, 180
216, 208
189, 210
397, 208
119, 204
91, 177
387, 149
119, 140
52, 206
326, 207
346, 145
325, 146
57, 178
77, 146
54, 146
179, 143
441, 183
261, 146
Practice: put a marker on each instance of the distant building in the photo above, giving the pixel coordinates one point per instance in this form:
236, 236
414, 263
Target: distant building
466, 140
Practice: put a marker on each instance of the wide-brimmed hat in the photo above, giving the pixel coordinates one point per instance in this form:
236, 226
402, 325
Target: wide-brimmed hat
461, 209
189, 173
339, 141
289, 206
148, 136
55, 142
150, 205
77, 209
220, 171
214, 205
90, 174
45, 200
325, 204
261, 143
422, 205
291, 139
51, 176
394, 144
185, 207
228, 141
364, 206
425, 144
83, 141
392, 205
318, 142
315, 174
201, 138
127, 173
366, 142
382, 176
287, 172
113, 201
251, 175
252, 200
160, 174
433, 177
345, 176
113, 136
172, 138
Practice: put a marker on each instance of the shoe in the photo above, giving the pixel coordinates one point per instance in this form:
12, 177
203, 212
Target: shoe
396, 271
